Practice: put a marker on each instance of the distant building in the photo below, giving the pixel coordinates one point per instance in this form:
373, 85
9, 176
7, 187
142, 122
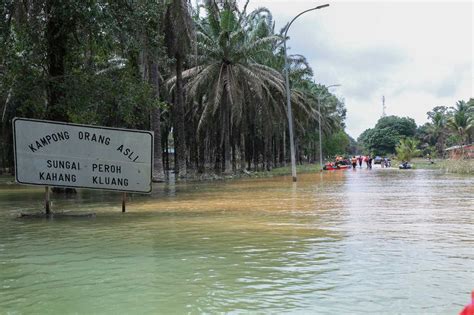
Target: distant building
456, 151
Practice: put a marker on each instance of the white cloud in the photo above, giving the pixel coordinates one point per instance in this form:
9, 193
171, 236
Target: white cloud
417, 54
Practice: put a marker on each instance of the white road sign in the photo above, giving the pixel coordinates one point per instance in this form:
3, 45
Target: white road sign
70, 155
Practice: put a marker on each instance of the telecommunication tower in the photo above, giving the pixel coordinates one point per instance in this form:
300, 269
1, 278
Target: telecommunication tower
384, 108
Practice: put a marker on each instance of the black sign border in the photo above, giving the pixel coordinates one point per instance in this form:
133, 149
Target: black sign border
150, 133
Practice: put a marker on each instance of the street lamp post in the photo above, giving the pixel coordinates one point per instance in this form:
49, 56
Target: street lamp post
288, 97
320, 134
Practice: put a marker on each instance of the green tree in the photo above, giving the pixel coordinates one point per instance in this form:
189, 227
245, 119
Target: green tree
338, 143
76, 61
227, 76
383, 138
379, 141
403, 126
438, 127
333, 113
101, 62
462, 122
470, 105
407, 149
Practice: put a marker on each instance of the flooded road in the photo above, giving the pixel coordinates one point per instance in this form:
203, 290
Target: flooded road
355, 242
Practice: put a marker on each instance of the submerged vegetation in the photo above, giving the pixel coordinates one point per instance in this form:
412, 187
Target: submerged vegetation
458, 166
208, 80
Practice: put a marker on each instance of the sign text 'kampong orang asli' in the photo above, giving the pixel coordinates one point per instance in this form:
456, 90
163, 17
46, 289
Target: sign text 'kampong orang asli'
70, 155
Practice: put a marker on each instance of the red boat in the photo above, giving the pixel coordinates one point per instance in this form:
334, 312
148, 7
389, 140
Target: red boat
332, 167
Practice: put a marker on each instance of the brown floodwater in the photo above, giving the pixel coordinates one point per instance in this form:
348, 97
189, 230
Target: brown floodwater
356, 242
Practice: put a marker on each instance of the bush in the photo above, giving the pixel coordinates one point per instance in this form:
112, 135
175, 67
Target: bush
407, 149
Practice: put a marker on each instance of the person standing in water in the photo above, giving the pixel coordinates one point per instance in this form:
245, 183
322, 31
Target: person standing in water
369, 162
360, 161
354, 162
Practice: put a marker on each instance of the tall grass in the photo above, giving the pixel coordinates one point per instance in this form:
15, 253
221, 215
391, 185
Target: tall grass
458, 166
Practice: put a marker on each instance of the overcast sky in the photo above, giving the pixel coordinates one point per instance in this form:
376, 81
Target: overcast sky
417, 54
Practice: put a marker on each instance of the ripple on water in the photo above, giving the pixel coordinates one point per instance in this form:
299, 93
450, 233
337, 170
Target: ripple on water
355, 242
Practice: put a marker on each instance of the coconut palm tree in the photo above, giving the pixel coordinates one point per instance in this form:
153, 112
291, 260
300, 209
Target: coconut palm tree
470, 105
438, 126
462, 122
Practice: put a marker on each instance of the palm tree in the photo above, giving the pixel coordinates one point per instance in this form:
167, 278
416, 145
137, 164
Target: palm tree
178, 35
462, 122
437, 128
470, 105
236, 94
407, 149
227, 75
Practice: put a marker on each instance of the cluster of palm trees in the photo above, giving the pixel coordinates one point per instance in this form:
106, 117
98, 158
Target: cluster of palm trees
207, 79
228, 91
449, 126
462, 120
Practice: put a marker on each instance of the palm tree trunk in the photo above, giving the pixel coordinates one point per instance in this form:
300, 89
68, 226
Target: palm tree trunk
179, 133
284, 148
441, 145
234, 155
158, 172
242, 151
56, 43
267, 147
167, 152
201, 159
226, 150
217, 151
227, 147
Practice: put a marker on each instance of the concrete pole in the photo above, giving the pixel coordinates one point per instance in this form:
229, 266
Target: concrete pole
290, 115
288, 96
320, 134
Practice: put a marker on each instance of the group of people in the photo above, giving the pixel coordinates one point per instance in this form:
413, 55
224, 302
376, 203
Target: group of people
361, 159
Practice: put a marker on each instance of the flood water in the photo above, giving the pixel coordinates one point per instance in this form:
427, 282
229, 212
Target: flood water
350, 242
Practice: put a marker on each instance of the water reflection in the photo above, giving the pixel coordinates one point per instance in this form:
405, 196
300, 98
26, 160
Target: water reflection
356, 242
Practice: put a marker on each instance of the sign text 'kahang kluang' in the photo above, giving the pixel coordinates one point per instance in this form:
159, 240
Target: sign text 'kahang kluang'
70, 155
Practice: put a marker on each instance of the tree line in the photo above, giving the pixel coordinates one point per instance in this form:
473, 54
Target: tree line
446, 127
207, 79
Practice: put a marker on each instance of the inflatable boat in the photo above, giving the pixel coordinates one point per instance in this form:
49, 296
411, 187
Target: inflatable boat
330, 167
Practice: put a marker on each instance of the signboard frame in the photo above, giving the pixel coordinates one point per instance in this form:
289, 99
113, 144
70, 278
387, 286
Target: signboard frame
150, 133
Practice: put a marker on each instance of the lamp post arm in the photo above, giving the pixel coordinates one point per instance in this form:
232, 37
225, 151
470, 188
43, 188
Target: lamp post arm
300, 14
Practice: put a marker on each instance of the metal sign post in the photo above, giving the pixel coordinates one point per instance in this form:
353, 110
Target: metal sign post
47, 203
124, 201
